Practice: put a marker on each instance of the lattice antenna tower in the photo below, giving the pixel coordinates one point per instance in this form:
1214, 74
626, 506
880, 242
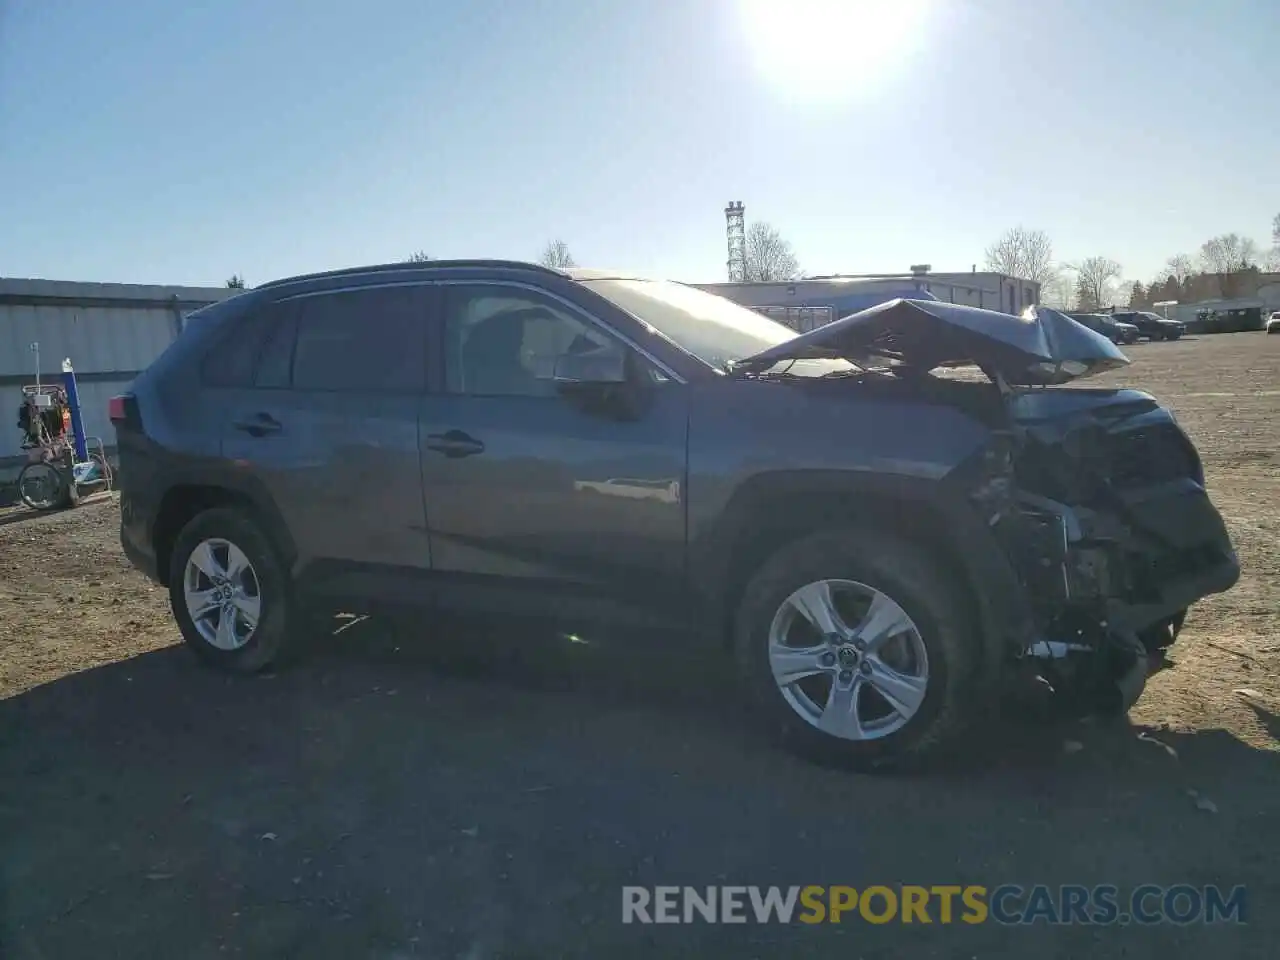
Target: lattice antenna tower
736, 234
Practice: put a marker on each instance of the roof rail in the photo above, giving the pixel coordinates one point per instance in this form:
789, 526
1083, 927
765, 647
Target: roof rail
411, 266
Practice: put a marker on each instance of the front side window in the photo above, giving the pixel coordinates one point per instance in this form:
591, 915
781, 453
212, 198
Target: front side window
361, 341
505, 341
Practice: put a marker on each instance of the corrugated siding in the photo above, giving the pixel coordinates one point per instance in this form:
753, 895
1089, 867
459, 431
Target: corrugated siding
97, 339
104, 328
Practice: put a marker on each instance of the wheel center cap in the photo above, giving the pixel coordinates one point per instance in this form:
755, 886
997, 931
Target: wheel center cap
848, 657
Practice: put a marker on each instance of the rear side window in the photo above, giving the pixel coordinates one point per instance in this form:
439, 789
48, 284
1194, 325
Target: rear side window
275, 362
256, 350
231, 360
362, 340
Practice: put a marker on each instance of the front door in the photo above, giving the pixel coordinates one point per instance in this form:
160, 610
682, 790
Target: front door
537, 495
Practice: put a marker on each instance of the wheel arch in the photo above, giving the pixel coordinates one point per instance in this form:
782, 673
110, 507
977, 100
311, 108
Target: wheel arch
771, 510
186, 497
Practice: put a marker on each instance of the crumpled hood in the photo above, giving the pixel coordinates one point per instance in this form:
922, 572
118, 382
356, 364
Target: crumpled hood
1042, 346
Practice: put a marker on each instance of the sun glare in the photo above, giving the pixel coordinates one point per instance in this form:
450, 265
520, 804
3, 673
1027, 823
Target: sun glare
832, 50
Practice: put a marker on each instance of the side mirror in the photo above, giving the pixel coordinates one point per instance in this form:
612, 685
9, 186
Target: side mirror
592, 368
601, 382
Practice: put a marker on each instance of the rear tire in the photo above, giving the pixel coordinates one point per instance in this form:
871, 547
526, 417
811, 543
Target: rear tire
230, 593
936, 617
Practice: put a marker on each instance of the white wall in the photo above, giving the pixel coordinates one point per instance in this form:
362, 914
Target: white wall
990, 291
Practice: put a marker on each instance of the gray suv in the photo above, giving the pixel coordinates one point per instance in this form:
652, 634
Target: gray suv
881, 523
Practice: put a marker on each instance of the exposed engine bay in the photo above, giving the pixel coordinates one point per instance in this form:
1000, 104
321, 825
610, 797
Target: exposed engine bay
1097, 497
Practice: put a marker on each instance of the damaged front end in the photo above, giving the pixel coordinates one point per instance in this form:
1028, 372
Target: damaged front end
1112, 533
1097, 497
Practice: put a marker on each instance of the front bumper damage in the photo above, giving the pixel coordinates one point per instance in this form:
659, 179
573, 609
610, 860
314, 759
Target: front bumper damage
1110, 562
1131, 573
1109, 596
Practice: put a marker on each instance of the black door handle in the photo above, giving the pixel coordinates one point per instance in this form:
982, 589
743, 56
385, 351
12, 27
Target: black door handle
258, 425
454, 443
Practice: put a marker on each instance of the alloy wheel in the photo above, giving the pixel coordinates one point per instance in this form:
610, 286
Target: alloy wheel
848, 659
222, 594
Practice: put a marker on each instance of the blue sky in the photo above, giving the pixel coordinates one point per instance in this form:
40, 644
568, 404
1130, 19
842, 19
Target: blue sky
158, 141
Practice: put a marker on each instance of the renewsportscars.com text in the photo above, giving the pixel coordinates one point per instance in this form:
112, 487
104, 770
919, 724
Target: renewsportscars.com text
1009, 904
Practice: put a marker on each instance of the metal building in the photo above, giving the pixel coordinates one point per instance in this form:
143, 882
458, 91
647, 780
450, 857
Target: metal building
982, 288
110, 332
804, 303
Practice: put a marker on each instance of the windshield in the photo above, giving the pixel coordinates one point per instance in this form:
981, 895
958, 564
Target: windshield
713, 329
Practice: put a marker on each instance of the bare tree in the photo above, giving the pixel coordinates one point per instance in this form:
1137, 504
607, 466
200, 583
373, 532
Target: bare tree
1060, 292
557, 256
768, 255
1273, 255
418, 256
236, 282
1228, 253
1179, 267
1086, 301
1225, 257
1096, 279
1025, 254
1121, 294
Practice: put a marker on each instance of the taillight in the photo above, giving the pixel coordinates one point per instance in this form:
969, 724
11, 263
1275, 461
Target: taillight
123, 411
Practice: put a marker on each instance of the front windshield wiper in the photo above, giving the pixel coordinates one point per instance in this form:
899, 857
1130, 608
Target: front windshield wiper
744, 369
740, 368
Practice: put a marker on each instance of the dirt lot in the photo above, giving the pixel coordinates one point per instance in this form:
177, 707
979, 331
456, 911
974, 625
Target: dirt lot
383, 800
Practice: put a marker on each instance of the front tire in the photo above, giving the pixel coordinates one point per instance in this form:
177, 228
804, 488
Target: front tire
230, 593
858, 650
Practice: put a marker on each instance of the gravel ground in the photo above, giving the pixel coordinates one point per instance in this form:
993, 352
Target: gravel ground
387, 799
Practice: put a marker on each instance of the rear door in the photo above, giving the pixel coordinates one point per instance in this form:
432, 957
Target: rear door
330, 428
533, 494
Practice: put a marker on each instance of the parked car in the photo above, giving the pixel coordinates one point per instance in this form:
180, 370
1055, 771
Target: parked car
874, 546
1273, 322
1151, 325
1117, 331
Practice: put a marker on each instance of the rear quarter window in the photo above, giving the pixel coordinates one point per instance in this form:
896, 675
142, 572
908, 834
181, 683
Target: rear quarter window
233, 355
